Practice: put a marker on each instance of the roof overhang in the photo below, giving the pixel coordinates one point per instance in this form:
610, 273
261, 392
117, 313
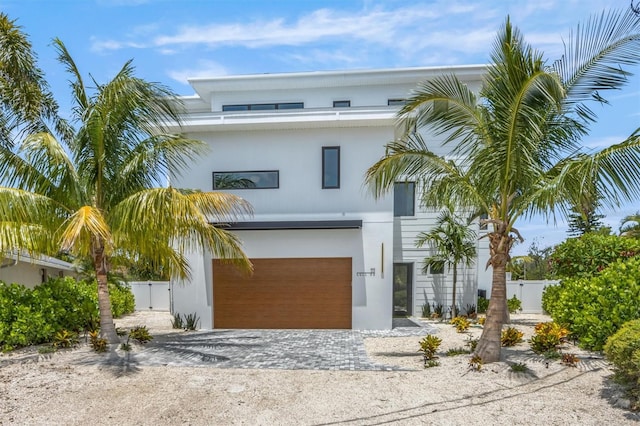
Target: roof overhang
291, 225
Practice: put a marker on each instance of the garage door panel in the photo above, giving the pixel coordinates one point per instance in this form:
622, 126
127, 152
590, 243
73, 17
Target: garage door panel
284, 293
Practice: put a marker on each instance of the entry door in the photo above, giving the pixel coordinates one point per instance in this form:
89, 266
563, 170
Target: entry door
402, 289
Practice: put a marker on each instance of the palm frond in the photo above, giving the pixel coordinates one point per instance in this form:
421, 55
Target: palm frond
82, 228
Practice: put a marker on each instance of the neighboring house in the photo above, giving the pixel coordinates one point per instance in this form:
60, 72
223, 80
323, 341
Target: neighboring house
326, 253
31, 271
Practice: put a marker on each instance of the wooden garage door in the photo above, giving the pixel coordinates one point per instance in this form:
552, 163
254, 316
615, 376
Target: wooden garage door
283, 293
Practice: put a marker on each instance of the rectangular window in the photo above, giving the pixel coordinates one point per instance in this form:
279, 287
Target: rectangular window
246, 180
404, 199
235, 108
330, 167
436, 267
263, 107
396, 102
341, 104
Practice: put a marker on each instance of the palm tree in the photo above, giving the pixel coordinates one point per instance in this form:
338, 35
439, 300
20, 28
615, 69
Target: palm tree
453, 244
630, 225
98, 195
25, 100
518, 143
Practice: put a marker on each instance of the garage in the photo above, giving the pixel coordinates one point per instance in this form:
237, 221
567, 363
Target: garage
283, 293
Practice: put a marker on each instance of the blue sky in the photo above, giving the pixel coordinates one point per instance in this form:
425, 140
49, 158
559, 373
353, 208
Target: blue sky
170, 41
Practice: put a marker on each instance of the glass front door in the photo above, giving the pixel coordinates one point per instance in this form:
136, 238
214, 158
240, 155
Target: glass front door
402, 289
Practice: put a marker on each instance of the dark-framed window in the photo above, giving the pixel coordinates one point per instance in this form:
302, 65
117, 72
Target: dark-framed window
258, 179
263, 107
330, 167
404, 195
396, 102
341, 104
436, 267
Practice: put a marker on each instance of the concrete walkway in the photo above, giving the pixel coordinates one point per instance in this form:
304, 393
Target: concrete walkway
266, 349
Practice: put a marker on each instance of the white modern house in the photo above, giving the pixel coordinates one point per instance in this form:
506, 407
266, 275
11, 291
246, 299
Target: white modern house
326, 253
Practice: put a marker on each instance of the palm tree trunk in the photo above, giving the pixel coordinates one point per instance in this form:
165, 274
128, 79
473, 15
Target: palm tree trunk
489, 345
107, 328
453, 296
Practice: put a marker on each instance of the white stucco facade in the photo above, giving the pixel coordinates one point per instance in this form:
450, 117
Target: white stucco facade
291, 141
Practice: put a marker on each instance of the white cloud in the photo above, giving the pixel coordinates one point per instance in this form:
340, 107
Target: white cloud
203, 68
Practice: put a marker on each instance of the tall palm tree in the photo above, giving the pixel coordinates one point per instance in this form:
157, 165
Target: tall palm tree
453, 244
98, 194
518, 143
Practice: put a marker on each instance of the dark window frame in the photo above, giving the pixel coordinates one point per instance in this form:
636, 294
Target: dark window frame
396, 102
397, 212
277, 173
342, 104
325, 165
269, 106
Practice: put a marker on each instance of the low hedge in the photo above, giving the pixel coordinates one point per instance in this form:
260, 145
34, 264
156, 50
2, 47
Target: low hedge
595, 308
623, 351
34, 316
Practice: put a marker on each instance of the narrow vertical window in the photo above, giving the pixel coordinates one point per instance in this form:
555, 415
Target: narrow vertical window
330, 167
404, 199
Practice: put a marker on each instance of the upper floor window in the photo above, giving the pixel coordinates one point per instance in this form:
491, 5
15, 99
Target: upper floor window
341, 104
397, 101
265, 179
263, 107
330, 167
404, 198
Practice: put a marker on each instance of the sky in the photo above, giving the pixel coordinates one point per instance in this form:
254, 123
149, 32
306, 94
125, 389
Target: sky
170, 41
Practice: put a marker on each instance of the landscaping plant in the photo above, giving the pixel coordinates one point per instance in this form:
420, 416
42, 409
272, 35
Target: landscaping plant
514, 304
595, 308
429, 346
548, 336
623, 351
511, 336
462, 324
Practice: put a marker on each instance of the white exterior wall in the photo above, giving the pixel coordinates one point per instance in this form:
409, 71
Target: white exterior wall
30, 274
291, 142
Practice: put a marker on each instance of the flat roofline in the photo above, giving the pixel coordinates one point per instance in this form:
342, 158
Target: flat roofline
291, 225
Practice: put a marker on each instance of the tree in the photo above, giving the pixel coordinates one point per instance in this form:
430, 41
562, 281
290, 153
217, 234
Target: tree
584, 217
630, 225
98, 193
515, 148
453, 244
25, 100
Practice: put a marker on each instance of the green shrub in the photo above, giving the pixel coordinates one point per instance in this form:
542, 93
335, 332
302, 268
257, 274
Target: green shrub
550, 297
623, 351
483, 305
514, 304
428, 346
595, 308
461, 324
122, 299
140, 334
591, 253
548, 337
34, 316
511, 336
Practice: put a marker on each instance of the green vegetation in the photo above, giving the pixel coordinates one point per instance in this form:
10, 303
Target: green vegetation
483, 304
514, 304
461, 324
623, 351
94, 186
429, 346
453, 244
511, 337
60, 305
548, 337
595, 308
590, 254
520, 140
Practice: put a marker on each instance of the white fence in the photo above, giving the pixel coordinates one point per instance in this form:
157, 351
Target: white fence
530, 293
152, 295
